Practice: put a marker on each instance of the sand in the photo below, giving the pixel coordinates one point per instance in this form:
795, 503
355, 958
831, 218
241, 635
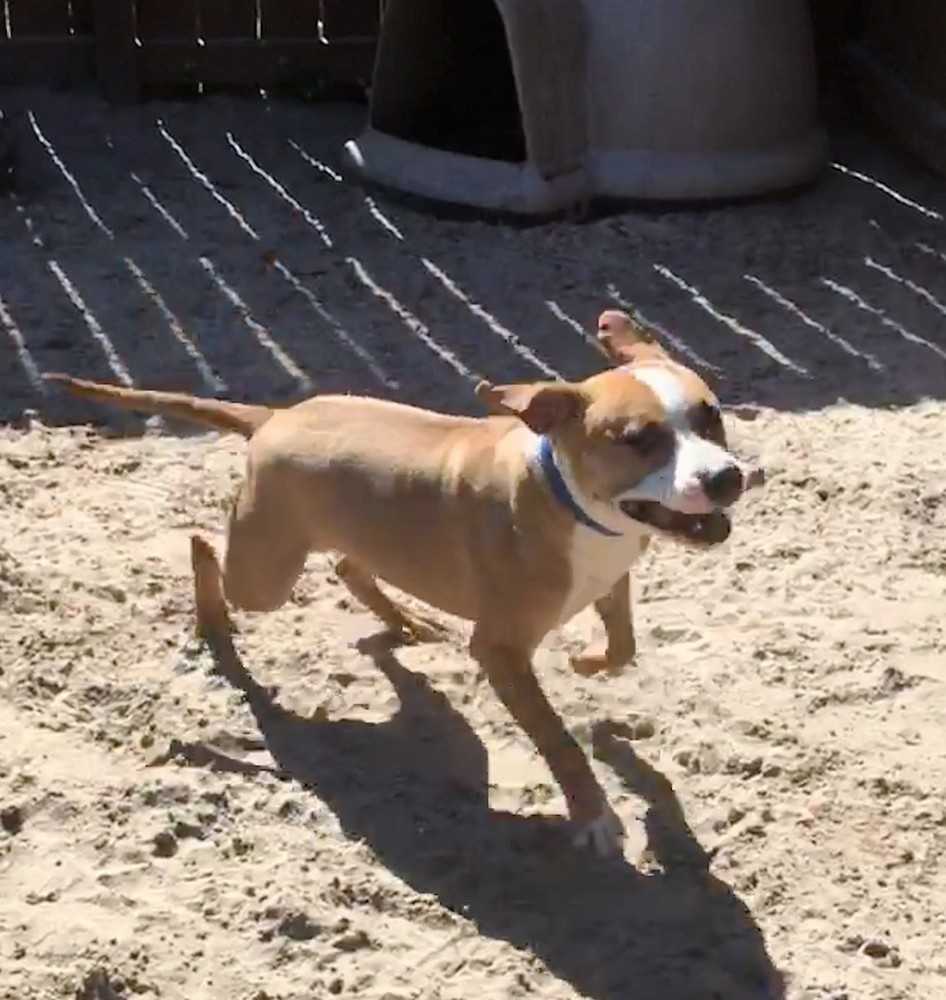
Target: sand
340, 817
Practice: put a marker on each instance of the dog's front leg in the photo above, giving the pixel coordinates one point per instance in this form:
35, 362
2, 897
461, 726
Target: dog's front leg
409, 626
620, 646
509, 671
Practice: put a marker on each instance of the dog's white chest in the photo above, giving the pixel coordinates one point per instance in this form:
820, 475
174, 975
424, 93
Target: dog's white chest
597, 563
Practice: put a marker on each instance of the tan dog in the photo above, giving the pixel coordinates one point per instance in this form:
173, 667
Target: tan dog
514, 521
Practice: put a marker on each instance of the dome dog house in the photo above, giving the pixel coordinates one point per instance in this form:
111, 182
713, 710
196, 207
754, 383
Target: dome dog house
531, 105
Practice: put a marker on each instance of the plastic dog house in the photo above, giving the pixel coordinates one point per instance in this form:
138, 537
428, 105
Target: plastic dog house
532, 105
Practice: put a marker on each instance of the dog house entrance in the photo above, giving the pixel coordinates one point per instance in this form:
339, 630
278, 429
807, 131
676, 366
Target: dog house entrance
444, 79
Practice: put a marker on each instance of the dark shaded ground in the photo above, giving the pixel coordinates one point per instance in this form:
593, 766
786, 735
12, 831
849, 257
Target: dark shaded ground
275, 287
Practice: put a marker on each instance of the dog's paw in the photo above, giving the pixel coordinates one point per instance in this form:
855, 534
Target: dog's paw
595, 660
605, 834
417, 629
588, 664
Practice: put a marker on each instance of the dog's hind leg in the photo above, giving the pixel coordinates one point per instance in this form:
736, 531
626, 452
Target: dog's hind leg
620, 646
266, 548
213, 621
406, 624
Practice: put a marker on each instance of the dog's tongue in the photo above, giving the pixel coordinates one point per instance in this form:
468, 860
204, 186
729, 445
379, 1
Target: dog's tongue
710, 529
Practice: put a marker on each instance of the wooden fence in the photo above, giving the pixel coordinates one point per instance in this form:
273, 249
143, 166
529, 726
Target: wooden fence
137, 46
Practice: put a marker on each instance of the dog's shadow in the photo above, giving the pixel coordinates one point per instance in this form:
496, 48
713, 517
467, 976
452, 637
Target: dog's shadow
415, 788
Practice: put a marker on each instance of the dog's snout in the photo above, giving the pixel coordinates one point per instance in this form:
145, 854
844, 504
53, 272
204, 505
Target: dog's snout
725, 486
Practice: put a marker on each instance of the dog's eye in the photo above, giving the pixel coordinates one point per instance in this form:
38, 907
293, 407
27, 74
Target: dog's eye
707, 421
648, 440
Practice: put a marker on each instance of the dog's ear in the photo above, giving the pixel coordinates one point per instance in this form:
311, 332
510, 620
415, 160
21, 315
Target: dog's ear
625, 340
486, 393
543, 406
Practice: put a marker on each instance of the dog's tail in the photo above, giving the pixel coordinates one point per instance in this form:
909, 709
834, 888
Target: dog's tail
239, 418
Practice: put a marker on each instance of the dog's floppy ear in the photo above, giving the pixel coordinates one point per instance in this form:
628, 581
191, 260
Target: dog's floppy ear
624, 339
541, 405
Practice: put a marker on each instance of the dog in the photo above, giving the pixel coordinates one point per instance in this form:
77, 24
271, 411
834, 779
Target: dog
515, 521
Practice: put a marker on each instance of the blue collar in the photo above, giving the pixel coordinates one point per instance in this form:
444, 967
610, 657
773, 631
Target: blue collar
563, 494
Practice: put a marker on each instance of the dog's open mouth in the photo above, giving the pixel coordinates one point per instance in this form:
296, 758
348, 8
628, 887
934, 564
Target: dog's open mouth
698, 529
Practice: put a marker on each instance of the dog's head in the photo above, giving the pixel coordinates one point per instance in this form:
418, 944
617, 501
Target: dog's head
645, 439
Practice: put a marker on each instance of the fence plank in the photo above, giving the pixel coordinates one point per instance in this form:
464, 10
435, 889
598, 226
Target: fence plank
168, 19
344, 20
46, 62
289, 18
83, 21
116, 52
228, 18
57, 41
39, 18
251, 64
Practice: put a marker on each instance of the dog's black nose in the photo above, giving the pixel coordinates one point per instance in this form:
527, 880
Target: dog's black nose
724, 487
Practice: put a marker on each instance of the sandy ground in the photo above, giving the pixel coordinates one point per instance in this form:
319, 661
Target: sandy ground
338, 817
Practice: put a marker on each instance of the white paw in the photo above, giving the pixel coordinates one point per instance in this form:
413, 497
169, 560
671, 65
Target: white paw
605, 834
